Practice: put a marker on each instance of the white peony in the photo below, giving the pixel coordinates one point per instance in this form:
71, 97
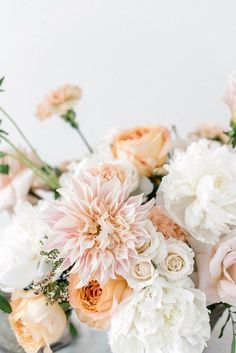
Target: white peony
199, 192
161, 319
179, 261
20, 246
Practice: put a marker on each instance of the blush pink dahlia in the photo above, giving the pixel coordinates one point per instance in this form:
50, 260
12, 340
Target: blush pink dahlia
98, 227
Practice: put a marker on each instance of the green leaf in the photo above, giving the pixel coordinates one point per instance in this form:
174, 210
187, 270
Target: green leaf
3, 154
4, 305
73, 330
4, 168
1, 82
224, 326
233, 345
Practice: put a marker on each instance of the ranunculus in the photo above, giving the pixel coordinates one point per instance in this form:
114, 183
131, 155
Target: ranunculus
35, 323
146, 147
58, 102
178, 262
20, 246
95, 304
161, 318
199, 193
217, 271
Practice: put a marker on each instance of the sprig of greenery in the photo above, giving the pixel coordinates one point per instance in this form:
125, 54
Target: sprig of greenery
4, 304
230, 317
232, 133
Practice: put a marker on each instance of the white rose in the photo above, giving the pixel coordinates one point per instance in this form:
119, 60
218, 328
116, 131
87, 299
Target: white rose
156, 247
20, 246
199, 192
142, 274
146, 321
178, 262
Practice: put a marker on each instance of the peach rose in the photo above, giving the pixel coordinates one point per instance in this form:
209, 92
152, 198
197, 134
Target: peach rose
35, 324
146, 147
95, 304
217, 271
58, 102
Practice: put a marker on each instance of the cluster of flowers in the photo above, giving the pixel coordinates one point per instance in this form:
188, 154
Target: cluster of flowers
138, 237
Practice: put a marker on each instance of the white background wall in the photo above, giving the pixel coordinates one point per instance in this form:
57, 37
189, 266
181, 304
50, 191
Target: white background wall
138, 61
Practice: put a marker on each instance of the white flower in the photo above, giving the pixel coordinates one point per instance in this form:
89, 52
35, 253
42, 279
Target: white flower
161, 319
178, 262
20, 246
199, 192
156, 247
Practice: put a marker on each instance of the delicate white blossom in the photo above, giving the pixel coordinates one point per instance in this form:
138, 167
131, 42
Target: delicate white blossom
199, 193
161, 319
178, 262
20, 246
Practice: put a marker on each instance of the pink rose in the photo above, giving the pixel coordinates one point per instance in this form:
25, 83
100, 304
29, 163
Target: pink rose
217, 271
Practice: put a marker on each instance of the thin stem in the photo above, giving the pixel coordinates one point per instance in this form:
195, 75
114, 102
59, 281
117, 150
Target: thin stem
21, 133
84, 140
49, 179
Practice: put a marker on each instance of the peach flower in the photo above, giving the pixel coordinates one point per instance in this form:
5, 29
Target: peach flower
58, 102
95, 304
146, 147
209, 131
217, 271
35, 323
165, 225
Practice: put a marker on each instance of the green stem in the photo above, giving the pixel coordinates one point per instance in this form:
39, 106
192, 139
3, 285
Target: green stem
84, 140
50, 179
21, 133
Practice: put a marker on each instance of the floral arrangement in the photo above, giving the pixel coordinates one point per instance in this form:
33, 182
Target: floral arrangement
137, 238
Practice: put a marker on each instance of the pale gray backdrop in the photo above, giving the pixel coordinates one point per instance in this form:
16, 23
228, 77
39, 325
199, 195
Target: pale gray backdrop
137, 61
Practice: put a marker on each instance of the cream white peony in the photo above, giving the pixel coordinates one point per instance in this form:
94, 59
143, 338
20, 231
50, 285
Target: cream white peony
199, 192
161, 319
178, 262
20, 246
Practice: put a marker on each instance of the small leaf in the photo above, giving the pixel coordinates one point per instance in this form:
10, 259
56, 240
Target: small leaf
233, 345
4, 305
4, 168
224, 326
73, 330
3, 154
1, 82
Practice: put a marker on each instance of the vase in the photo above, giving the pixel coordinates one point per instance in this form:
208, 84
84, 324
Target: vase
9, 344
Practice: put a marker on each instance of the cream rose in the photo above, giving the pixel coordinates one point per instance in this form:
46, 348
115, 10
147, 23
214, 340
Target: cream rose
217, 271
95, 304
146, 147
35, 324
178, 262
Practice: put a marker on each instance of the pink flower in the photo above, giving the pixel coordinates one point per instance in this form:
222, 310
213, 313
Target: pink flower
217, 271
230, 96
15, 186
58, 102
165, 225
98, 227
